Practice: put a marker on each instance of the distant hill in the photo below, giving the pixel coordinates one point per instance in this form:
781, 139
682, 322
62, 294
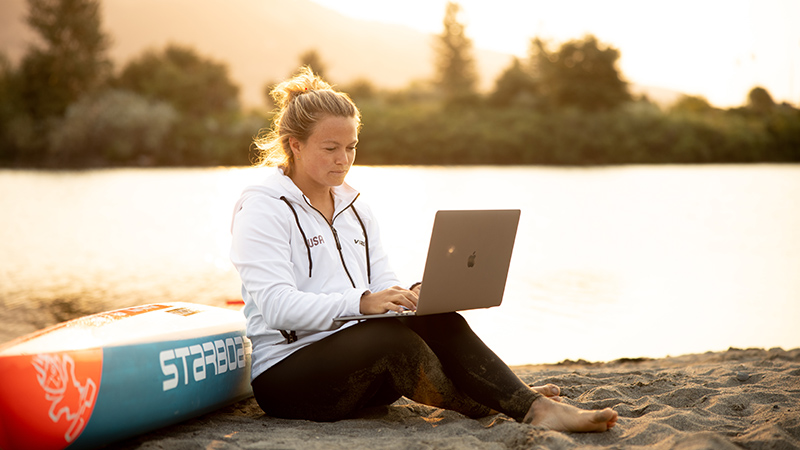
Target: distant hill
261, 40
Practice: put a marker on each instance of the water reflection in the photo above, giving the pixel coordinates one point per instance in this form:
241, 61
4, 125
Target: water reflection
668, 259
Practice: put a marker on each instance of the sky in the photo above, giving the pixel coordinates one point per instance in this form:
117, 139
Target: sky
718, 49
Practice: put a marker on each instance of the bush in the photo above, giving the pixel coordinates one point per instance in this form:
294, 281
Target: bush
115, 127
638, 133
212, 140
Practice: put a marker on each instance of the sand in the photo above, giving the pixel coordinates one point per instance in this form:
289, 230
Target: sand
725, 400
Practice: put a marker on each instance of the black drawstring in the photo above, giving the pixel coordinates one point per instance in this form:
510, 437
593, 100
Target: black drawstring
291, 336
366, 242
305, 240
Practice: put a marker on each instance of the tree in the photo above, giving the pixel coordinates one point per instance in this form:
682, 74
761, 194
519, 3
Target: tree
360, 89
113, 127
202, 93
582, 73
312, 59
269, 102
72, 61
692, 103
455, 66
9, 105
514, 86
8, 94
760, 101
194, 85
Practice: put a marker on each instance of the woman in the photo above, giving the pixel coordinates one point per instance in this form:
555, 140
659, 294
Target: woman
308, 251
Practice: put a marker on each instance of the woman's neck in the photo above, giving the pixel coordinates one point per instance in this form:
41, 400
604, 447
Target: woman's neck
321, 197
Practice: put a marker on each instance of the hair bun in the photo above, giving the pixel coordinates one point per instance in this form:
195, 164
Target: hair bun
305, 80
296, 119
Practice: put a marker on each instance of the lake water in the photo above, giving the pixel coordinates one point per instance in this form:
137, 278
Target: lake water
609, 262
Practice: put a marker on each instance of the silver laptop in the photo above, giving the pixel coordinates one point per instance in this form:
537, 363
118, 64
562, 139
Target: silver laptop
467, 265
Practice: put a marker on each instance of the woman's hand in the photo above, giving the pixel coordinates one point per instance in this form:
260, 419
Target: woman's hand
393, 299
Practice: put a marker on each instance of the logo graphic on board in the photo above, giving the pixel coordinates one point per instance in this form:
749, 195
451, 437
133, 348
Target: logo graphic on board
471, 259
70, 400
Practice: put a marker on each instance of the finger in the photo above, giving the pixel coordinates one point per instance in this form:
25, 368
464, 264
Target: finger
396, 307
400, 299
410, 300
405, 303
400, 304
405, 297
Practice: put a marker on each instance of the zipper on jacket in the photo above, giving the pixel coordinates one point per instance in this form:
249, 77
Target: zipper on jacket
291, 336
336, 234
341, 255
336, 238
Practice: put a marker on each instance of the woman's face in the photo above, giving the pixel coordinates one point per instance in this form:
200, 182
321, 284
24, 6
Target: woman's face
324, 159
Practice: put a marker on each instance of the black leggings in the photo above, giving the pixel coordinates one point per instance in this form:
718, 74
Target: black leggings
436, 360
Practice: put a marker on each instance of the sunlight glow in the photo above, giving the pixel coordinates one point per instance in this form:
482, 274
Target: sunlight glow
718, 49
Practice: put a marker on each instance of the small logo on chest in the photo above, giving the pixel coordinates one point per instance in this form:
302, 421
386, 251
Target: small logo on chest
316, 240
359, 242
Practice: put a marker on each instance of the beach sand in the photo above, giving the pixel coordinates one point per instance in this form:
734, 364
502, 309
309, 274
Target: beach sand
724, 400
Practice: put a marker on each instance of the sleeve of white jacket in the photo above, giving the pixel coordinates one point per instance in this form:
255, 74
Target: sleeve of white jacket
261, 253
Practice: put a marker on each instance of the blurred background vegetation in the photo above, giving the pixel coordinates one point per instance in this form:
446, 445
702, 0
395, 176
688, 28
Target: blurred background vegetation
65, 106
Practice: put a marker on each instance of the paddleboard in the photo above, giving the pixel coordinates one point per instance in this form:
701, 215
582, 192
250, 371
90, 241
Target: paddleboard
113, 375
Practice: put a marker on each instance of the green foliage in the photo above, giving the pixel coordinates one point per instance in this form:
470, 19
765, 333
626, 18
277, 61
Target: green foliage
21, 136
360, 90
175, 107
783, 126
638, 133
269, 102
72, 61
582, 74
8, 106
120, 127
455, 67
760, 101
691, 104
115, 127
515, 87
211, 141
312, 59
209, 128
194, 85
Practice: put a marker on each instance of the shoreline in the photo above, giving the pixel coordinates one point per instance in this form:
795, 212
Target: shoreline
737, 398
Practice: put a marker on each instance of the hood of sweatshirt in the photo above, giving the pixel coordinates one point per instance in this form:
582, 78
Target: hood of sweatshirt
278, 185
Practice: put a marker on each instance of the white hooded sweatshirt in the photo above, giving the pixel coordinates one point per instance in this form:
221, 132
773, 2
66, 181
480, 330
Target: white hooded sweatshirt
298, 271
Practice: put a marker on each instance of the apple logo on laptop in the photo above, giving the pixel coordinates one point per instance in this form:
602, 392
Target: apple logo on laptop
471, 260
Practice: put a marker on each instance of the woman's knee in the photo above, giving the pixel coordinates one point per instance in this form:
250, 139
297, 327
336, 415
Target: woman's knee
382, 337
447, 324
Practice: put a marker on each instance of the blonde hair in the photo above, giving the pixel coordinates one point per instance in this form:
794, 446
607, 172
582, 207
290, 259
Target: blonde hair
302, 101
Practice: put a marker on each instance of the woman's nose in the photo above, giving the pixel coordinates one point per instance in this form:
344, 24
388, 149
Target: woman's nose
341, 157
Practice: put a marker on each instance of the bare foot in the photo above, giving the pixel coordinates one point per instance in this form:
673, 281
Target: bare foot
550, 391
557, 416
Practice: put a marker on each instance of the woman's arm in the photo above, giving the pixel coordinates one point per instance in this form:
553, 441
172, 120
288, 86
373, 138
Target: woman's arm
262, 252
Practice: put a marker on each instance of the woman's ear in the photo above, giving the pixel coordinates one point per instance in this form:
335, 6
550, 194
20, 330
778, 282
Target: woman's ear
294, 145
